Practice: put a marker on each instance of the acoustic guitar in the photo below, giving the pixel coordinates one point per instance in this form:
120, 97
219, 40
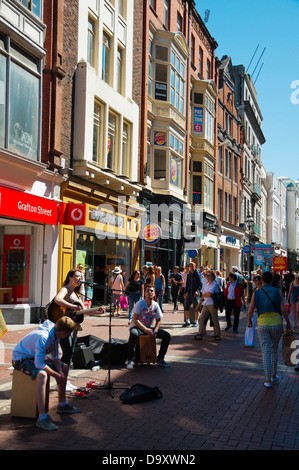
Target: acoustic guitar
57, 311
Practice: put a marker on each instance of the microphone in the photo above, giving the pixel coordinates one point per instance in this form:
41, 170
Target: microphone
90, 283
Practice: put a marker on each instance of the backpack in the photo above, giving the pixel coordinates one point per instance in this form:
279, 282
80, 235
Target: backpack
140, 393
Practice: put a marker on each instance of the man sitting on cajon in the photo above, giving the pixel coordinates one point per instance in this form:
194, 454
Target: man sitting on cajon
145, 312
31, 356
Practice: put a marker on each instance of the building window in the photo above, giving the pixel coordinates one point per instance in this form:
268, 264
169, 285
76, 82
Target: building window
112, 122
200, 60
33, 5
220, 167
125, 150
235, 211
208, 186
176, 144
161, 82
209, 119
97, 131
106, 51
208, 75
235, 169
166, 14
23, 125
228, 157
2, 99
160, 164
21, 88
192, 49
177, 82
197, 189
179, 23
150, 68
121, 8
176, 171
119, 83
227, 207
91, 36
228, 123
219, 204
147, 169
152, 4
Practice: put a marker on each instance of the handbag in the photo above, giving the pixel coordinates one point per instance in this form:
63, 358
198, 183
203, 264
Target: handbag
288, 348
218, 299
140, 393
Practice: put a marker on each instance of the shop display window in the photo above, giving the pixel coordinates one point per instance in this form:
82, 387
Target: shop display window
99, 258
17, 262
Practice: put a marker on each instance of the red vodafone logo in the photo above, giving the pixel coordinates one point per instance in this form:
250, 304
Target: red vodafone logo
76, 214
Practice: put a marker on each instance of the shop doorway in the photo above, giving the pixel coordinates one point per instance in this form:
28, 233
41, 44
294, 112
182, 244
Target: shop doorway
99, 293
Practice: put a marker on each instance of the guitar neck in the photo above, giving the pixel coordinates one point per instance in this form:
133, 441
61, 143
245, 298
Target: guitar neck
87, 311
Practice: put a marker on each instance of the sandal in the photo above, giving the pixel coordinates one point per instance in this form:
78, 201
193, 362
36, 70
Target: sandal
216, 338
198, 337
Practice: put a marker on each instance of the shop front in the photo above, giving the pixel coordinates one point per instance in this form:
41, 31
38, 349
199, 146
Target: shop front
231, 248
107, 237
28, 232
164, 214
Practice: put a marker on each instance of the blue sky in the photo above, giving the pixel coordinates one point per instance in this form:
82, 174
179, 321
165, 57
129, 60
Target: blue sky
239, 27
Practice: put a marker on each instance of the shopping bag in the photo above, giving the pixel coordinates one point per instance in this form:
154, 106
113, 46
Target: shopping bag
250, 336
288, 348
3, 327
123, 300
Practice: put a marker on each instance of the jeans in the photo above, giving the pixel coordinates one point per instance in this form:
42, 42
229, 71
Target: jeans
159, 297
134, 337
134, 297
174, 295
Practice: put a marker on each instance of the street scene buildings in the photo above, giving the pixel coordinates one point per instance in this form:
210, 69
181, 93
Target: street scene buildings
109, 109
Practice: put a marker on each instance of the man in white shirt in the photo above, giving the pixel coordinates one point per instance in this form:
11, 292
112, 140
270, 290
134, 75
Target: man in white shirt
146, 320
32, 356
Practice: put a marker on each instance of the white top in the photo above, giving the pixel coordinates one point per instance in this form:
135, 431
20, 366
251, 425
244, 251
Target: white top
213, 287
145, 314
184, 275
116, 284
37, 344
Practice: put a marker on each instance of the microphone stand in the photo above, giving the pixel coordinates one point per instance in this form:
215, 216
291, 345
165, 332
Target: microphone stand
109, 291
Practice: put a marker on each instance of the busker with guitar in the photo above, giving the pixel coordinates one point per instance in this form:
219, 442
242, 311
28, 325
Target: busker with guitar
68, 302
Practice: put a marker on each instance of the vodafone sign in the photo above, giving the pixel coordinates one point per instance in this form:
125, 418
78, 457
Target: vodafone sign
72, 213
20, 205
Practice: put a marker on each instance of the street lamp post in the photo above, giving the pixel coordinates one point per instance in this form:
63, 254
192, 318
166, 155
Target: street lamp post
249, 222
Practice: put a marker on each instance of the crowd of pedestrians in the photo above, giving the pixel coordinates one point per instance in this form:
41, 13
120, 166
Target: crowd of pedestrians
197, 288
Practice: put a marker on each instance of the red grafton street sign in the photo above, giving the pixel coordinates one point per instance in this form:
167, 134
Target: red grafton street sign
20, 205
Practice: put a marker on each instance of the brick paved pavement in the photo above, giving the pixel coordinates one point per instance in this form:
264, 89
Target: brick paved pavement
213, 399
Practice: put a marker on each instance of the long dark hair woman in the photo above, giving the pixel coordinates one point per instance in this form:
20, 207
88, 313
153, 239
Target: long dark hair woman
66, 298
134, 290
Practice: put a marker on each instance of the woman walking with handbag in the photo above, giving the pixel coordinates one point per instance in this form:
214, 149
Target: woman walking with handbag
209, 287
270, 309
293, 299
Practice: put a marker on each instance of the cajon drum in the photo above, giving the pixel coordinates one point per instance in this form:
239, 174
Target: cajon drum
23, 397
148, 352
